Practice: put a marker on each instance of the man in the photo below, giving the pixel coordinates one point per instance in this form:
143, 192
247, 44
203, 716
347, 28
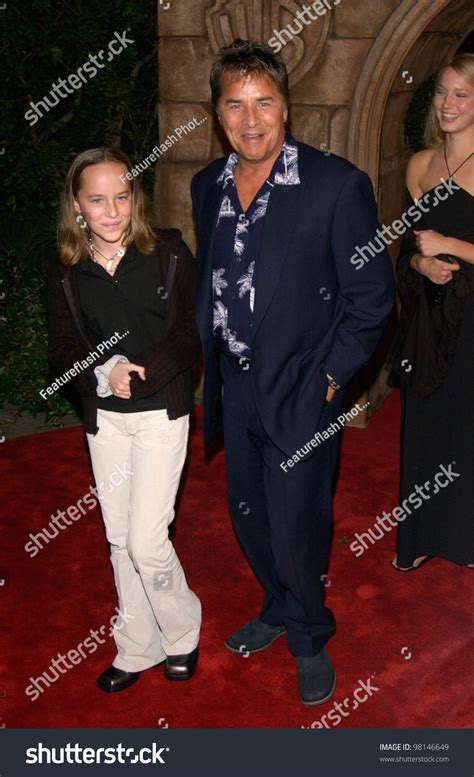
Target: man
285, 320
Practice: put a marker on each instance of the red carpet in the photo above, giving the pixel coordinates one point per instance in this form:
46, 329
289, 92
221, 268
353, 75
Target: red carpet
412, 634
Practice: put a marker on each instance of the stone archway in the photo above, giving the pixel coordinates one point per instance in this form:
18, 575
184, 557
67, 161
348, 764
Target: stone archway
383, 65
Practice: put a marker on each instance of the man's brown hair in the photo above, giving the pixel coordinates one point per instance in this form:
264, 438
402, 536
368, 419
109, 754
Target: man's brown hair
245, 58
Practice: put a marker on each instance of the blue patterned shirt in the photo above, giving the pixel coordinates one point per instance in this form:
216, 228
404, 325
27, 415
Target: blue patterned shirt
236, 248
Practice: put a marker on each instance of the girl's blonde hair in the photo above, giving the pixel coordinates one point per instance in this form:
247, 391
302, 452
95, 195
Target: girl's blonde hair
72, 239
463, 64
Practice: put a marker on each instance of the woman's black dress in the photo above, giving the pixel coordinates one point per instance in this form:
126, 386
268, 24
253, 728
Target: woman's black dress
434, 356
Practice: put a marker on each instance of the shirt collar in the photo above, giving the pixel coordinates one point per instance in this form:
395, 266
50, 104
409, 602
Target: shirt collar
285, 170
228, 171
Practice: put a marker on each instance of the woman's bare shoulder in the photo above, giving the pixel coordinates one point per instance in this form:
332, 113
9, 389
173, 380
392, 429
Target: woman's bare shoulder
417, 168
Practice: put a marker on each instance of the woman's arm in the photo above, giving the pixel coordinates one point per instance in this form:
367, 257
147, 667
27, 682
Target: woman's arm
430, 245
433, 268
419, 251
461, 249
433, 243
408, 275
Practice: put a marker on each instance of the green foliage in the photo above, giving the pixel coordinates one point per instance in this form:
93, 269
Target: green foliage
43, 41
417, 113
26, 249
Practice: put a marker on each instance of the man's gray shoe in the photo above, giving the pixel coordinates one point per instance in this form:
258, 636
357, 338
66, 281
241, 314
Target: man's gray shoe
253, 637
316, 679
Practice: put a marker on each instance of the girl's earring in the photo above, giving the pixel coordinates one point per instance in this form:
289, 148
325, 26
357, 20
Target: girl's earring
81, 221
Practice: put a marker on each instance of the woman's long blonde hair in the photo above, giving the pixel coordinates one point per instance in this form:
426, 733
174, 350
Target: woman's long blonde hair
463, 64
72, 240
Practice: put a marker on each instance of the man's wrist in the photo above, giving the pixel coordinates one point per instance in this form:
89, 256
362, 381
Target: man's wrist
332, 383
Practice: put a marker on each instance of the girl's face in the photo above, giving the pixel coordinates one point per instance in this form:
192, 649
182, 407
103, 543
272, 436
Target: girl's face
105, 202
454, 102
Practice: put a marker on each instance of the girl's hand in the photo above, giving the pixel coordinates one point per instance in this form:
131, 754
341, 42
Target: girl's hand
119, 378
431, 243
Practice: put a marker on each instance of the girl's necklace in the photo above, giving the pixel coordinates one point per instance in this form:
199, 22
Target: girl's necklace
109, 261
457, 168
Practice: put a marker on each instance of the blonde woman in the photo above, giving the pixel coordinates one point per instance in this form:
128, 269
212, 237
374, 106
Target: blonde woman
435, 349
121, 304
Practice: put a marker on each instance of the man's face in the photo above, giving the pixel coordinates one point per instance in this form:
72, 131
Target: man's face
252, 113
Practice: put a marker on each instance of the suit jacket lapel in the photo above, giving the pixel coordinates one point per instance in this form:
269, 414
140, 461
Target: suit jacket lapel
280, 222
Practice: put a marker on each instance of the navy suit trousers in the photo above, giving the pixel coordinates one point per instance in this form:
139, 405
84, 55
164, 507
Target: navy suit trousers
283, 519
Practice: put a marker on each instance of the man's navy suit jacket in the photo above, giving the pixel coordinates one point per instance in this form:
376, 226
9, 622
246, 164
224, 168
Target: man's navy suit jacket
314, 313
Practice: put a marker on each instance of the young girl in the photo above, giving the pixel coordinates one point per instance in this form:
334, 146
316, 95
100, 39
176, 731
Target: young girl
122, 297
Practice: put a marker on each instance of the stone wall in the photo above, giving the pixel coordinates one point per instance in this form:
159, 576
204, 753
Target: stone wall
324, 63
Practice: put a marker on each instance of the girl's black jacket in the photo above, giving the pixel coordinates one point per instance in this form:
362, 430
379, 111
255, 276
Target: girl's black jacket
167, 365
